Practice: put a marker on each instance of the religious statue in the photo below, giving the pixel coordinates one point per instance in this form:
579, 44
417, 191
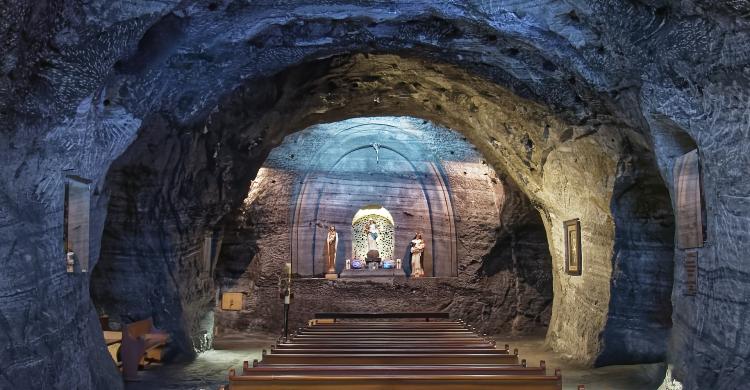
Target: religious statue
417, 248
371, 229
332, 242
406, 262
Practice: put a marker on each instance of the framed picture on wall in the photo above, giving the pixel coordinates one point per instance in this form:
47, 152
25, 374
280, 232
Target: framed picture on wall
232, 301
573, 247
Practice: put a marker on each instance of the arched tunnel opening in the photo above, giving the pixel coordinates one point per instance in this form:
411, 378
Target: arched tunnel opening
220, 206
431, 181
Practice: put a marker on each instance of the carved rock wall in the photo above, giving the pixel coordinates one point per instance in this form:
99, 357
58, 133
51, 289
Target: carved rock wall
153, 261
79, 80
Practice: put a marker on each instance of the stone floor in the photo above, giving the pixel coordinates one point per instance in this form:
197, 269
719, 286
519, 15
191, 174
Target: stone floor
625, 377
209, 370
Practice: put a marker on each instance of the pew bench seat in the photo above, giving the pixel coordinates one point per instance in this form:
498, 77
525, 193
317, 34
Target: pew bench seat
416, 369
403, 345
113, 340
390, 359
381, 381
357, 351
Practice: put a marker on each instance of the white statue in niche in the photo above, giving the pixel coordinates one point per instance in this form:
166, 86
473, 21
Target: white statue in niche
371, 229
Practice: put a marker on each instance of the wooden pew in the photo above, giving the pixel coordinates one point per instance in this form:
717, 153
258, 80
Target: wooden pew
390, 359
358, 315
386, 330
325, 339
392, 324
400, 334
403, 345
510, 369
364, 337
421, 338
390, 335
414, 336
113, 339
357, 324
420, 325
141, 343
351, 351
380, 381
377, 355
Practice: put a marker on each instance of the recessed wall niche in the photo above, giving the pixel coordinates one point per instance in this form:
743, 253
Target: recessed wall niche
386, 227
689, 209
77, 211
573, 254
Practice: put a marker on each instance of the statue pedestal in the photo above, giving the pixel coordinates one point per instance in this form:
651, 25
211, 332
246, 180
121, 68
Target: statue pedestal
332, 276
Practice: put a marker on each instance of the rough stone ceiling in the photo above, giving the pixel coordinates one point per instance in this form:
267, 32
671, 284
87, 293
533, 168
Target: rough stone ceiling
182, 56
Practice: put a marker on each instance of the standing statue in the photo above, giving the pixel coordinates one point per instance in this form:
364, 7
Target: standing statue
332, 242
371, 229
406, 263
417, 249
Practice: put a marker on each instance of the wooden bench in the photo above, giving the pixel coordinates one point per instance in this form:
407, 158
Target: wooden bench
331, 323
324, 351
522, 369
379, 381
390, 359
365, 326
382, 329
326, 338
361, 346
384, 332
357, 315
113, 340
356, 324
344, 335
393, 325
141, 344
393, 355
398, 334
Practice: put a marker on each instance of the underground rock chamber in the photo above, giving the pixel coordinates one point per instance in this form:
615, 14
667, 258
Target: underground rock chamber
254, 238
571, 121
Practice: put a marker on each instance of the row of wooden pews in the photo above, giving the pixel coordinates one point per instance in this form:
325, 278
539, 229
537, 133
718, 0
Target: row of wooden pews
391, 355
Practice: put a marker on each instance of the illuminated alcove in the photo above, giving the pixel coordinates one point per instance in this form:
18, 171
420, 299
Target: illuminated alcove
386, 228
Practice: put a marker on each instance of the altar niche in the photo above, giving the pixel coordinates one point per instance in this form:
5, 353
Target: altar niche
385, 163
386, 238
